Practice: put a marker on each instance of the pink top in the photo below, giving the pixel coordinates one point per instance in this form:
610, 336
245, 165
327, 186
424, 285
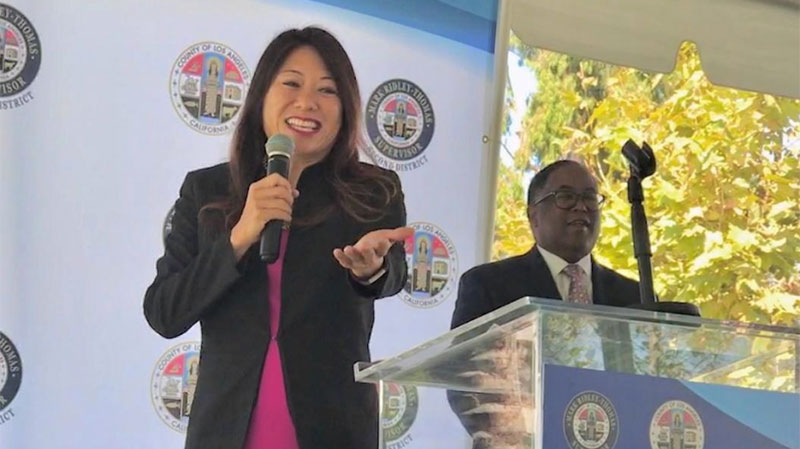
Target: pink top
271, 425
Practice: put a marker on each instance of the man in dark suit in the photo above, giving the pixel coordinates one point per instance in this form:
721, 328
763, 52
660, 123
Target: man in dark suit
564, 214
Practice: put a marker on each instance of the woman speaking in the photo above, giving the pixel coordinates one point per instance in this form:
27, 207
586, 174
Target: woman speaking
279, 340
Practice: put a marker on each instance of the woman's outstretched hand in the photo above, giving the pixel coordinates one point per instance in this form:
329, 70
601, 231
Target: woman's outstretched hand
365, 257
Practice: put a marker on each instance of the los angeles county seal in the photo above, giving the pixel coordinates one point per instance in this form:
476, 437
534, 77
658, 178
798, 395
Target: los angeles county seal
676, 424
590, 422
400, 405
20, 57
173, 384
10, 377
432, 266
400, 125
208, 83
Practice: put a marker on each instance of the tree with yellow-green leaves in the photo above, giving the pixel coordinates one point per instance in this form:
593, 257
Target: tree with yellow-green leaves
723, 205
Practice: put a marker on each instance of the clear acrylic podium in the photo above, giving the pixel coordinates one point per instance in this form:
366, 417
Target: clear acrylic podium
592, 376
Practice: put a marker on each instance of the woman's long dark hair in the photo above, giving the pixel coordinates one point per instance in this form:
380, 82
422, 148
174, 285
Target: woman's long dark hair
361, 191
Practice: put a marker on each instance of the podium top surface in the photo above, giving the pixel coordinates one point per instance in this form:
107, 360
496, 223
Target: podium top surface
597, 337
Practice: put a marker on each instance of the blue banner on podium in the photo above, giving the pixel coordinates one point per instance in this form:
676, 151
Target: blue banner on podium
604, 410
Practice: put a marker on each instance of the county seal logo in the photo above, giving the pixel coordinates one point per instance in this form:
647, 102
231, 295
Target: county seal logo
400, 405
207, 84
10, 377
432, 266
20, 57
173, 384
590, 422
400, 124
676, 424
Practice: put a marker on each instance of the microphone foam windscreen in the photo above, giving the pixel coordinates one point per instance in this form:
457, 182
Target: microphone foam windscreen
280, 144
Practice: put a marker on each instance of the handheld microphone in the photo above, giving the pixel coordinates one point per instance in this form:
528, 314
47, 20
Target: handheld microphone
279, 153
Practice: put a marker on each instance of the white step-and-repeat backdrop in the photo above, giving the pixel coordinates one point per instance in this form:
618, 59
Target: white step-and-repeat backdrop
100, 119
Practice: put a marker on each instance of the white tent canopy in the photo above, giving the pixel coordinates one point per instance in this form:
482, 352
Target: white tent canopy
746, 44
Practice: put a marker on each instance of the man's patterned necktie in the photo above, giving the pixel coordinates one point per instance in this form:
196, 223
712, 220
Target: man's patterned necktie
578, 285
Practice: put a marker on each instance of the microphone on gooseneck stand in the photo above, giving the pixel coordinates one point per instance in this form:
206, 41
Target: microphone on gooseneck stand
279, 153
642, 163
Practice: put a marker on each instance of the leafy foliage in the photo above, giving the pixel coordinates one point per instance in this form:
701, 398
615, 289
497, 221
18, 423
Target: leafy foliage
723, 205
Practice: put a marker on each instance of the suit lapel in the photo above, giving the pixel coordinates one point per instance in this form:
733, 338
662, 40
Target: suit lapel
598, 287
308, 265
603, 288
259, 282
541, 282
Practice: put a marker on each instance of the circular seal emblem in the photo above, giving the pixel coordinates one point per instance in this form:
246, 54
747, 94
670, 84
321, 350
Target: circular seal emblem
173, 384
676, 424
432, 266
400, 405
400, 124
207, 84
590, 422
10, 376
20, 56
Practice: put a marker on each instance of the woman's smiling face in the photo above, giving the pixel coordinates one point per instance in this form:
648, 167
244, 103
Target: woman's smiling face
303, 103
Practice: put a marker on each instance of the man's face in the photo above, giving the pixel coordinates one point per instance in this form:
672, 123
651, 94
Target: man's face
568, 233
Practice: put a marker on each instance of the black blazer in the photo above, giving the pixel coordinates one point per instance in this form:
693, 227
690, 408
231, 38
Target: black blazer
325, 324
490, 286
